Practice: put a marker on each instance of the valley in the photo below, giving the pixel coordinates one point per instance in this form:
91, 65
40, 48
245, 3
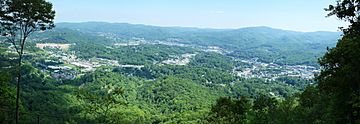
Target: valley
249, 68
155, 74
179, 62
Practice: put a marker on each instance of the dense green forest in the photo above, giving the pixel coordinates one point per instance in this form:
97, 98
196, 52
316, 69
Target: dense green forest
117, 73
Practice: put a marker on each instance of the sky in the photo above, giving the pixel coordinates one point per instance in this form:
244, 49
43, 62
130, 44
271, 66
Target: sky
297, 15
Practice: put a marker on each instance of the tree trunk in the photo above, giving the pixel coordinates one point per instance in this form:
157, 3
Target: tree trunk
18, 89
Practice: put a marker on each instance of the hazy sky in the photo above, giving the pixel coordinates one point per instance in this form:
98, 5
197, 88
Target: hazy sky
299, 15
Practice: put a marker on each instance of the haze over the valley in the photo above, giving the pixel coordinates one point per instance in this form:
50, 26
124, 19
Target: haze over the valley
283, 14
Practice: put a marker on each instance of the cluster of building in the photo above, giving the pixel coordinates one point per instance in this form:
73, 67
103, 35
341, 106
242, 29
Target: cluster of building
53, 46
65, 65
273, 71
184, 59
56, 70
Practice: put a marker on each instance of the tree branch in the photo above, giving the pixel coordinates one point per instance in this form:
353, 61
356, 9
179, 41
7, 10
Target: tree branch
13, 42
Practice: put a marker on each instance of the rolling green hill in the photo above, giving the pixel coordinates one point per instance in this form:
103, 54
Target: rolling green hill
267, 44
156, 92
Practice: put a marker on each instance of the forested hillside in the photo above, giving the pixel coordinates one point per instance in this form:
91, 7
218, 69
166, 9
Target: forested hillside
119, 73
267, 44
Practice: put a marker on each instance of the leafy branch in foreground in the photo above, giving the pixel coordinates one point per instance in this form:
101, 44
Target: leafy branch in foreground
20, 18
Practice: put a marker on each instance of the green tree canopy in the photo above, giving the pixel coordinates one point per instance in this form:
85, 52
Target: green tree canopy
340, 75
348, 10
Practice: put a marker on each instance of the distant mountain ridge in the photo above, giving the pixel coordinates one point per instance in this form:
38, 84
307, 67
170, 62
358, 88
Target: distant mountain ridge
126, 30
95, 23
